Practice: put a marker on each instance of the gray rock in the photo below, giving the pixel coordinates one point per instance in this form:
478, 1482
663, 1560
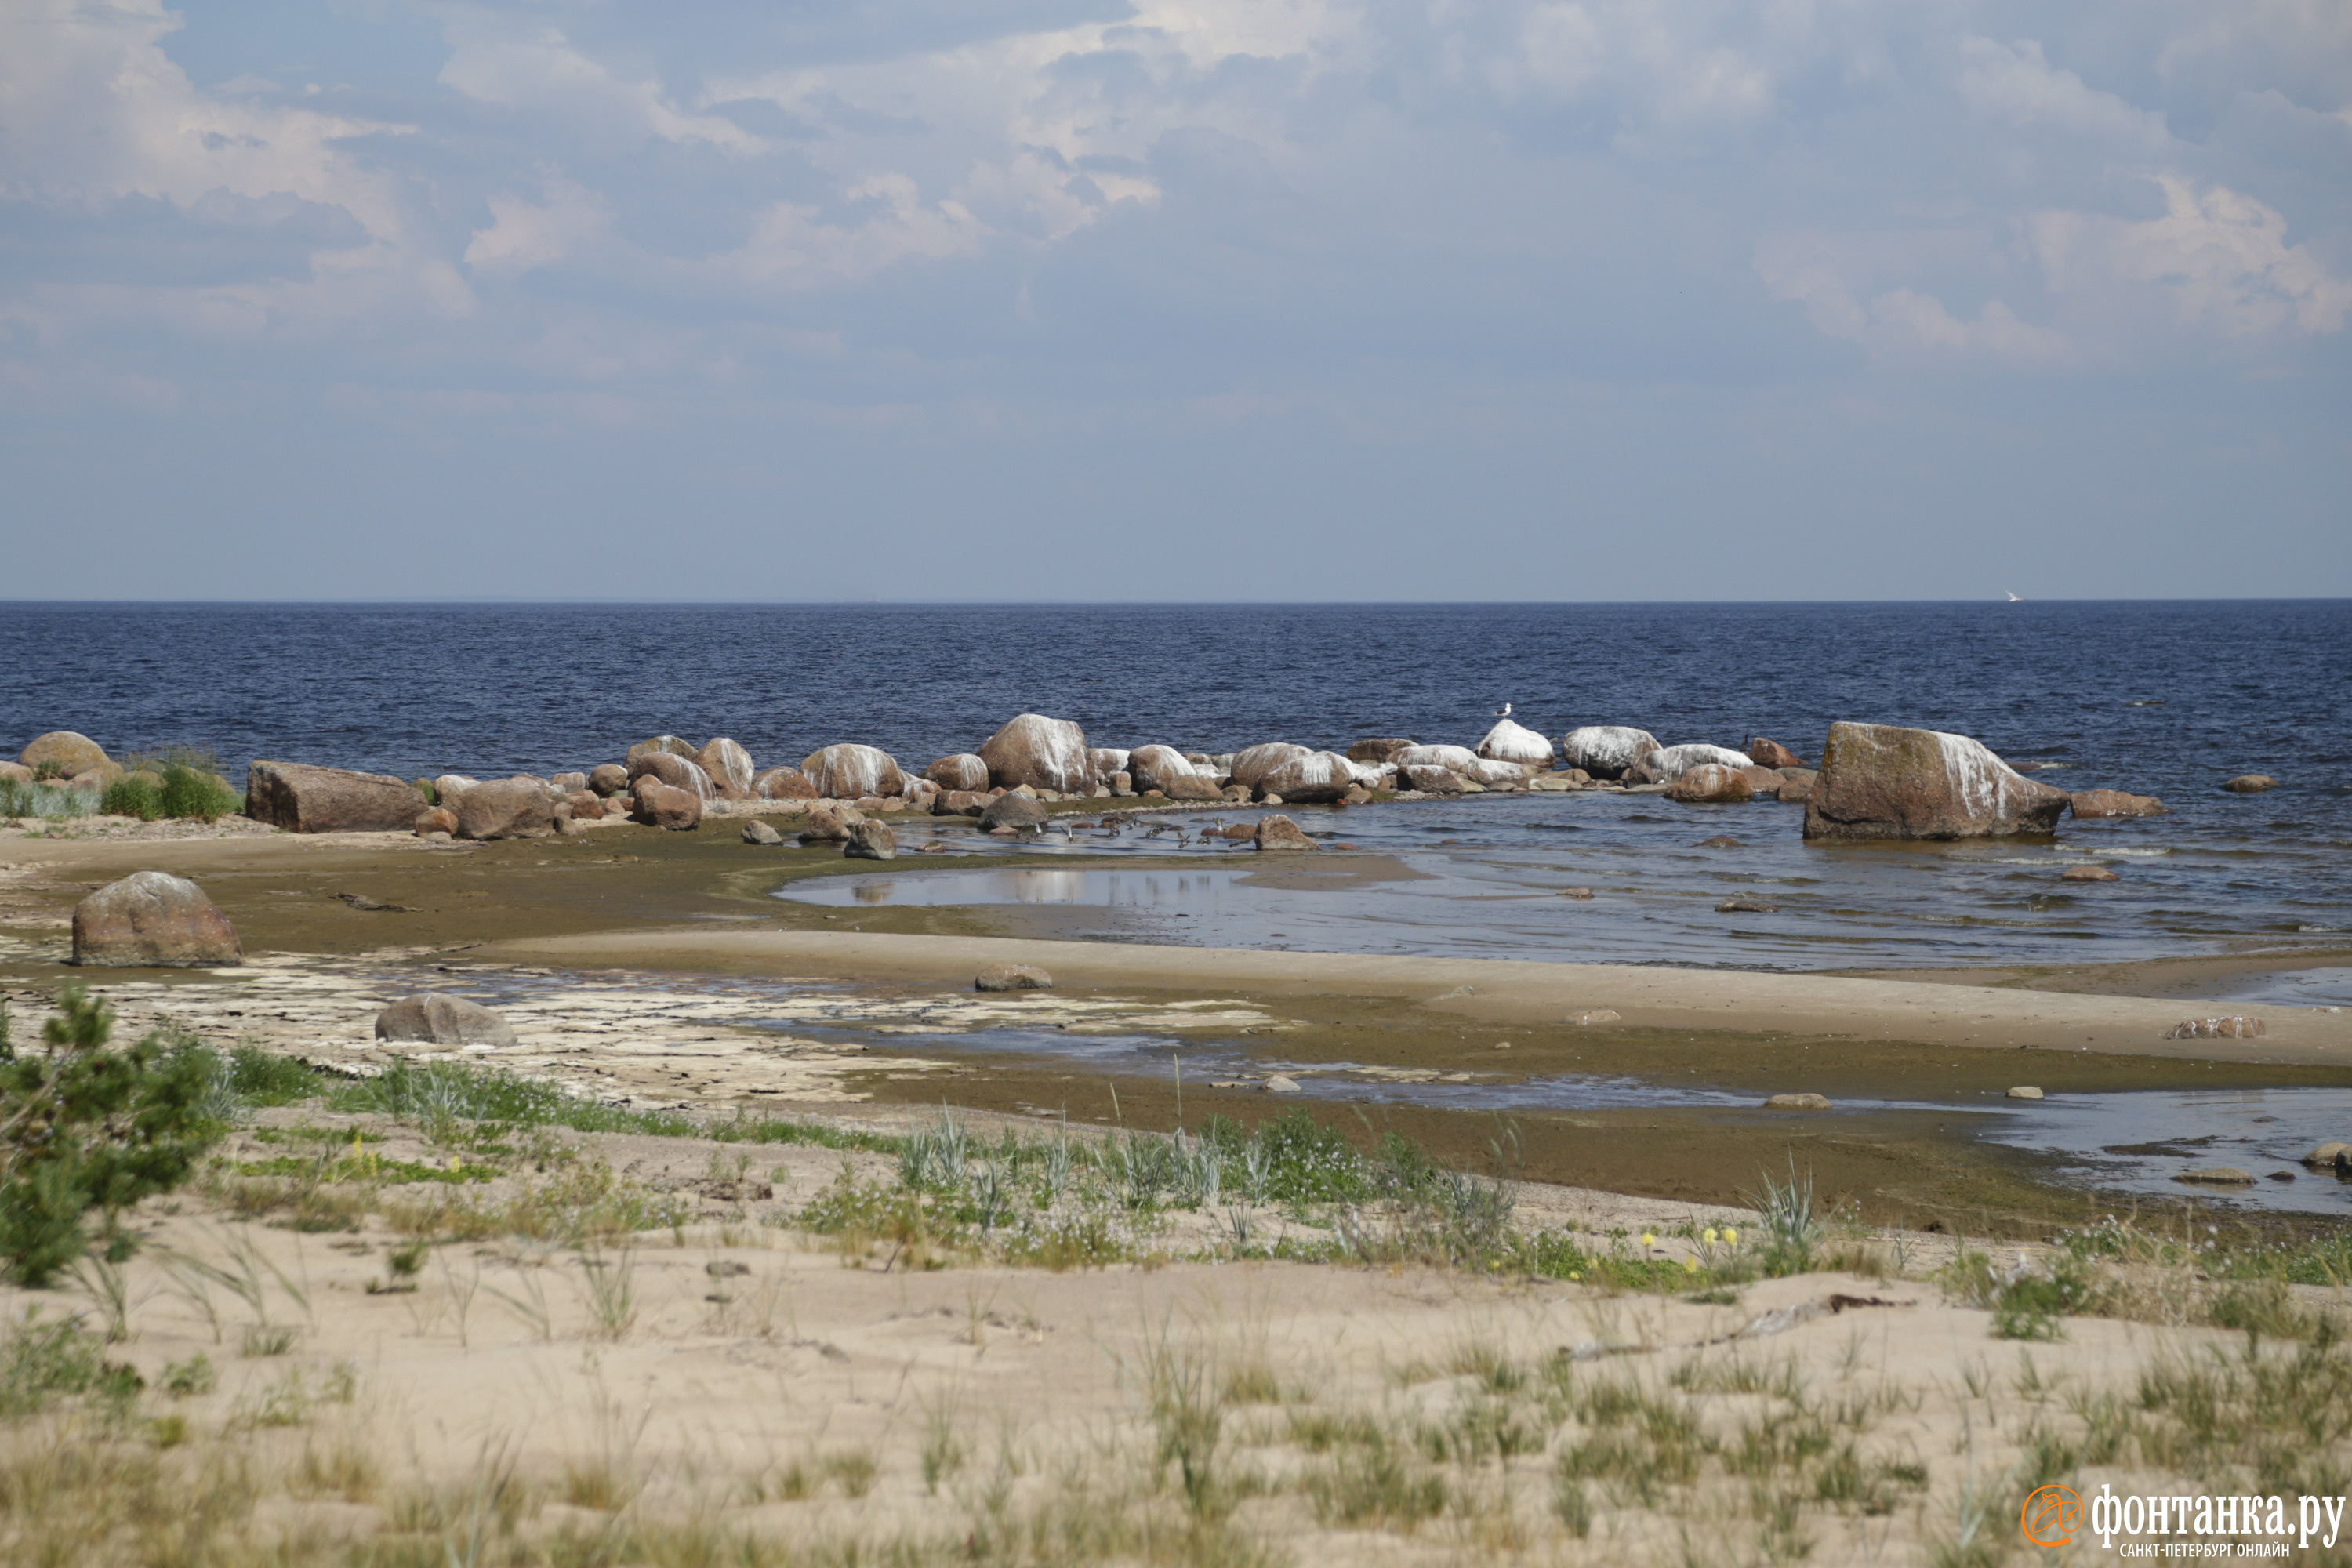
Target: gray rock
2025, 1091
1013, 977
153, 920
1280, 1083
1745, 906
1606, 750
871, 841
443, 1021
2330, 1154
2251, 783
758, 832
2217, 1176
1798, 1102
1012, 811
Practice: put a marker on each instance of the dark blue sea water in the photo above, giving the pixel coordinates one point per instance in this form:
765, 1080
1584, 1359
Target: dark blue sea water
2167, 698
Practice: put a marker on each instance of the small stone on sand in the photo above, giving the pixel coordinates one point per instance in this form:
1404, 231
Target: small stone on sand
2025, 1091
1798, 1102
1278, 1084
1013, 977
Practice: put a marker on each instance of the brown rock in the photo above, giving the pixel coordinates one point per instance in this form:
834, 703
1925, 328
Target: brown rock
1711, 781
570, 783
963, 771
1433, 780
62, 753
1765, 780
670, 743
1236, 830
609, 779
1042, 753
1013, 977
2236, 1027
15, 773
728, 766
2217, 1176
847, 771
666, 805
98, 779
1797, 788
586, 805
959, 803
443, 1021
2329, 1154
437, 819
871, 841
830, 824
1151, 767
2088, 874
304, 799
2114, 803
1379, 751
153, 920
1279, 833
783, 784
505, 808
2251, 783
1797, 1102
1878, 781
1193, 786
678, 773
758, 832
1770, 753
1014, 810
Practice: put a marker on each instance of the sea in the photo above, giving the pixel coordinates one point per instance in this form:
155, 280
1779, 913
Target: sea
2157, 697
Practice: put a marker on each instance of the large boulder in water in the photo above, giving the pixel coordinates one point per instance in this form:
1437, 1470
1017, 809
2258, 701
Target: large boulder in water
1513, 742
505, 808
673, 744
1319, 777
678, 773
153, 920
1012, 811
443, 1021
1712, 782
63, 755
1042, 753
783, 784
1383, 750
2115, 803
304, 799
1430, 779
963, 770
609, 779
1878, 781
1279, 833
1495, 772
1668, 763
729, 767
849, 772
1606, 750
871, 841
1770, 753
1106, 760
1151, 767
1251, 765
1454, 759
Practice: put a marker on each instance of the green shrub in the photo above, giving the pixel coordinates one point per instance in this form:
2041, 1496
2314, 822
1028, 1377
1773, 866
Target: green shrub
258, 1078
84, 1128
132, 794
41, 1363
194, 794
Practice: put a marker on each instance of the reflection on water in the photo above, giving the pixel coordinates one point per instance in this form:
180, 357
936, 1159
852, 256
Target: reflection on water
1194, 891
2141, 1140
2324, 985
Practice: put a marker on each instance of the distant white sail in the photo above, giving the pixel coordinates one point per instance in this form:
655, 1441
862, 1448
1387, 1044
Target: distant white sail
2013, 598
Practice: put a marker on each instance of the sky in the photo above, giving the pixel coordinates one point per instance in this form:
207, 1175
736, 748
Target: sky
1190, 299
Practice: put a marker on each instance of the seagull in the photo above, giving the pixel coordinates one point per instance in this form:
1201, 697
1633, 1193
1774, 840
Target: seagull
1504, 711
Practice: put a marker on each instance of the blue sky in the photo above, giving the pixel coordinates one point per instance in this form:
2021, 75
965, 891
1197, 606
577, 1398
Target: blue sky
1247, 299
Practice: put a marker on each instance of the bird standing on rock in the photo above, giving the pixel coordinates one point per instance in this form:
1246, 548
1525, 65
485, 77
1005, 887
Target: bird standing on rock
1504, 711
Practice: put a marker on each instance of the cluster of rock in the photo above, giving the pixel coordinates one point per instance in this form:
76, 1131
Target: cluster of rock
73, 760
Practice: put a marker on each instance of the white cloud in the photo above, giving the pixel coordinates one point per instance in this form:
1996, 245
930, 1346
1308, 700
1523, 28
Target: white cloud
524, 235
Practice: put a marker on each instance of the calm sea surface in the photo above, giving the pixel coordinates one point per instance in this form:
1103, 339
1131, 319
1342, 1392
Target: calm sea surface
2157, 698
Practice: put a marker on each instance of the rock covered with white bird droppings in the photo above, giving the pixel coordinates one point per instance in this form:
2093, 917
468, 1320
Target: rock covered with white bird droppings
1880, 780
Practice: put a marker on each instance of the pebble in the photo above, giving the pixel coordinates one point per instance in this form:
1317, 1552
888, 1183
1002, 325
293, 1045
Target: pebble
1576, 893
1279, 1084
2025, 1091
1798, 1102
1013, 977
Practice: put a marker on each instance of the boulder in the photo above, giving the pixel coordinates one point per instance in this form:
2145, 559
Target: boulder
670, 743
62, 753
2328, 1155
728, 766
959, 803
1797, 1102
1770, 753
1121, 783
15, 773
1251, 766
2114, 803
830, 824
1106, 760
1279, 1083
1796, 786
1280, 833
1151, 767
2217, 1176
964, 770
98, 779
153, 920
303, 799
758, 832
871, 841
1193, 786
436, 819
570, 783
586, 805
1012, 811
666, 805
443, 1021
1496, 773
1746, 906
1430, 779
1454, 759
1606, 750
505, 808
1563, 780
1711, 781
609, 779
847, 771
1315, 777
1042, 753
1765, 780
1878, 781
447, 788
1513, 742
1667, 763
2251, 783
1381, 751
783, 784
2088, 874
1013, 977
1581, 894
2235, 1027
678, 773
2025, 1091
